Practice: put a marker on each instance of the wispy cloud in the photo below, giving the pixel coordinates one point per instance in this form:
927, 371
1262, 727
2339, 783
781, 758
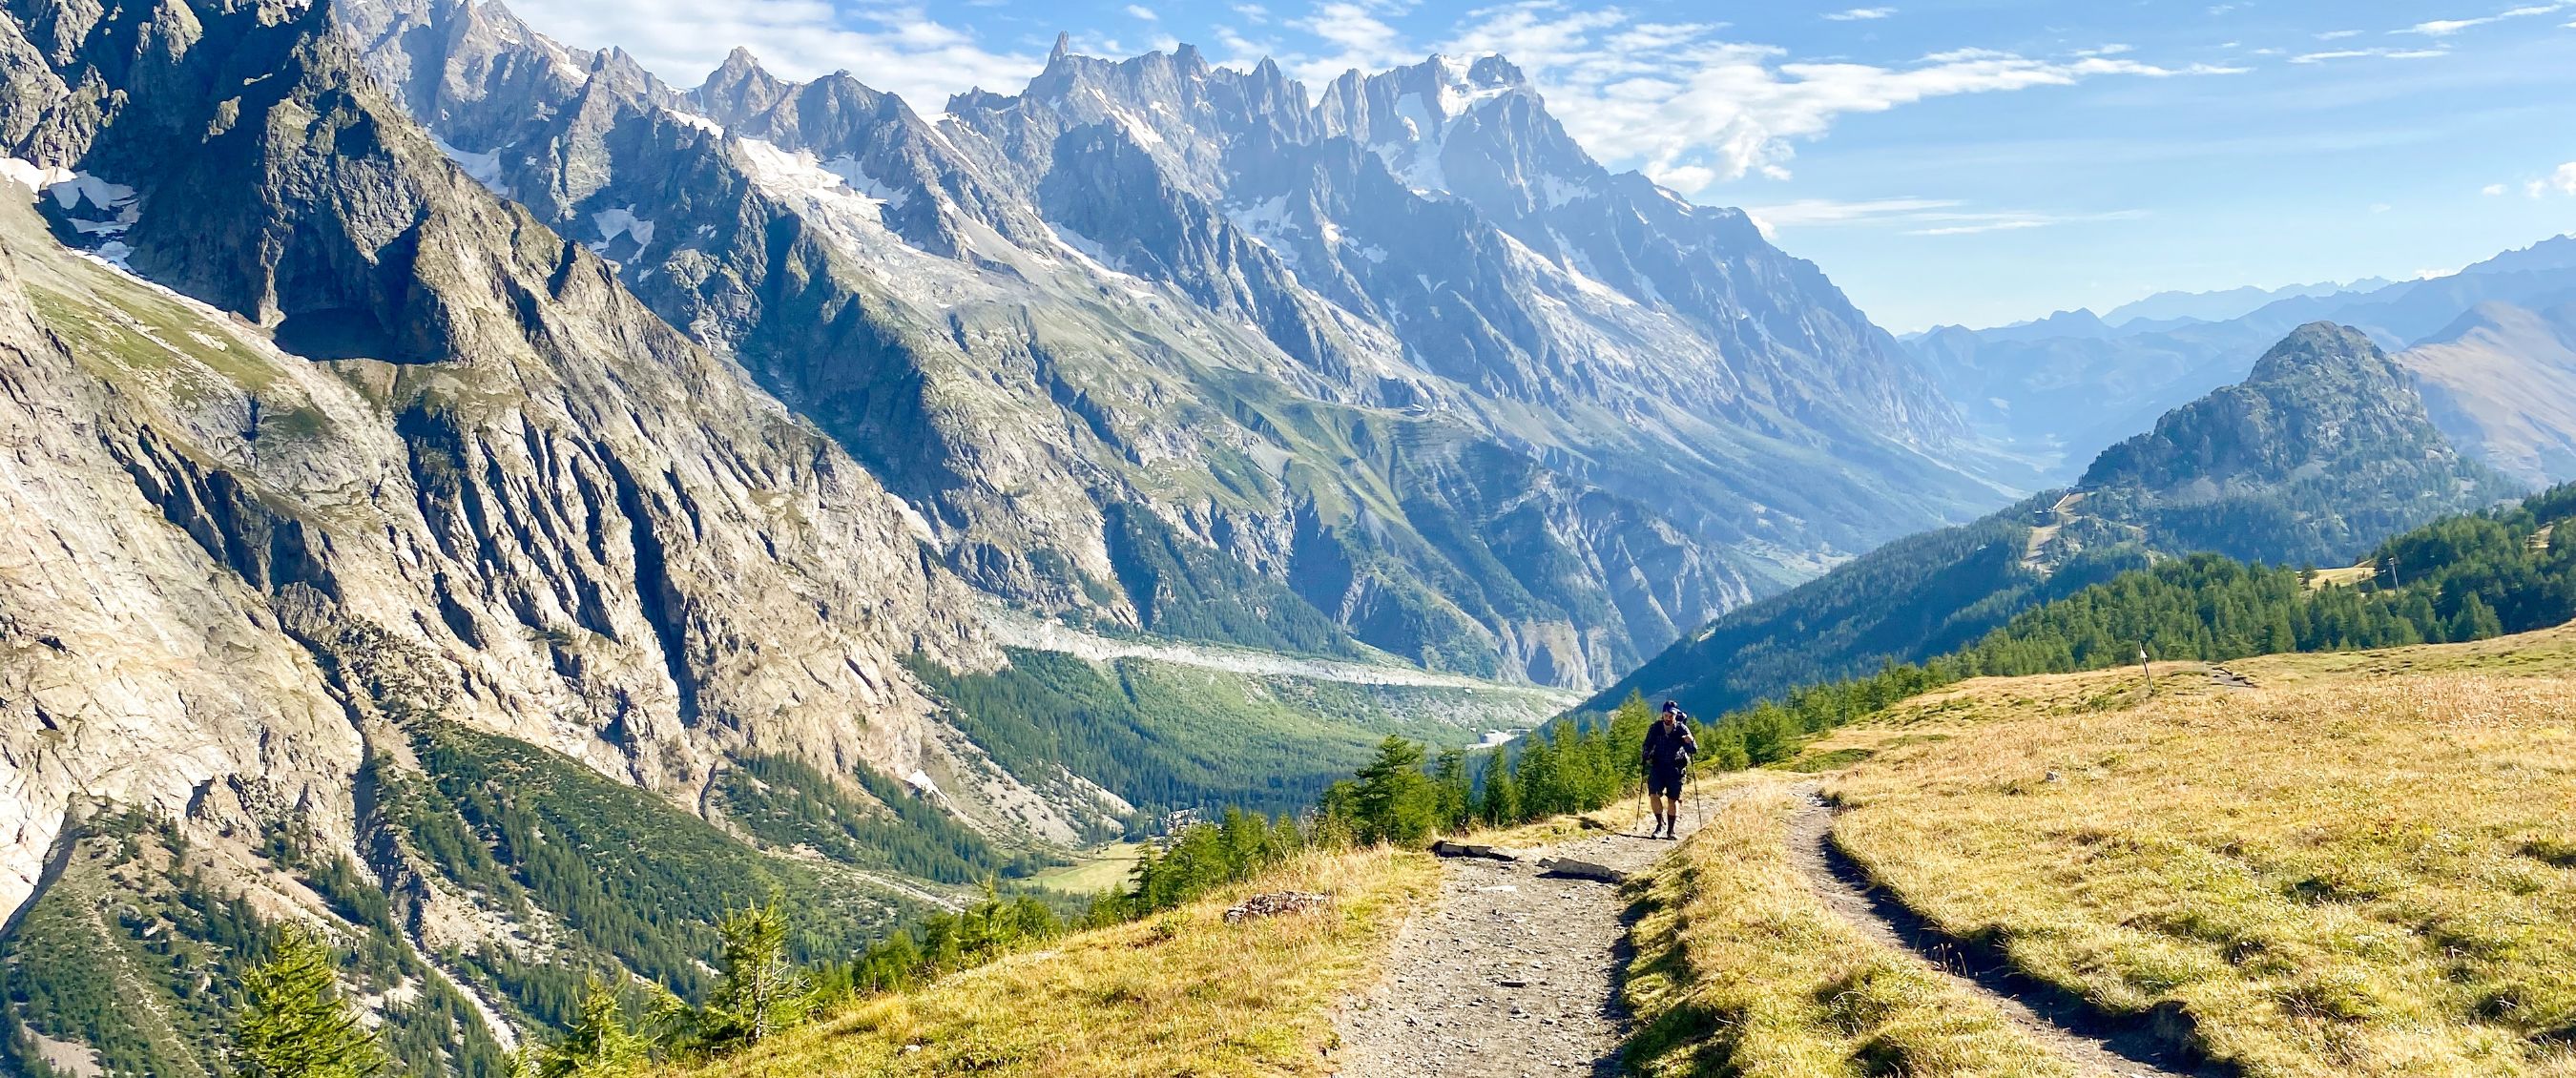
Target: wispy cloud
2358, 54
2447, 27
1822, 211
1682, 100
1860, 14
1912, 216
897, 48
1140, 11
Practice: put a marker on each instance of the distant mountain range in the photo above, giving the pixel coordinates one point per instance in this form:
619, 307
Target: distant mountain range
2060, 389
2325, 448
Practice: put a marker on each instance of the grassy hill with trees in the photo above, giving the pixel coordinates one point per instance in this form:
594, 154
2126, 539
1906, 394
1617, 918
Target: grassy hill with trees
2322, 450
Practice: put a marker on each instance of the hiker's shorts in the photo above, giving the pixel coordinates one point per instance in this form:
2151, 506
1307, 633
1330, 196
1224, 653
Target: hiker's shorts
1664, 782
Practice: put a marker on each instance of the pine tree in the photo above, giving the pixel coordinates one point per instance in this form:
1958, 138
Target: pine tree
295, 1023
2475, 621
599, 1044
1394, 801
1500, 804
1450, 775
761, 991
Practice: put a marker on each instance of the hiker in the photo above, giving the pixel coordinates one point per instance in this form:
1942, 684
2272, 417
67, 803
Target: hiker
1669, 748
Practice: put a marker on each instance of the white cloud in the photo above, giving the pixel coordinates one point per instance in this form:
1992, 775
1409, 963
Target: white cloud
1821, 211
900, 49
1253, 13
2338, 35
2009, 224
1915, 216
2562, 181
1679, 99
1142, 12
1860, 14
2356, 54
2380, 207
2448, 27
2492, 190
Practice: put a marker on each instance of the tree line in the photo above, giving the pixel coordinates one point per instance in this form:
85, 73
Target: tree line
2462, 578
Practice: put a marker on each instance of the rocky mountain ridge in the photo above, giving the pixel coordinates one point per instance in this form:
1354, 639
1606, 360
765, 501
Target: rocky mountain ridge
1234, 323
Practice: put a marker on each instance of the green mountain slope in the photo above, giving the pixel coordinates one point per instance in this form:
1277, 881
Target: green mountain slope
2323, 449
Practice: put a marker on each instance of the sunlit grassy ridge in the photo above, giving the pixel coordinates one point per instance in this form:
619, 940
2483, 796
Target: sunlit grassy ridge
2364, 868
1742, 970
1181, 993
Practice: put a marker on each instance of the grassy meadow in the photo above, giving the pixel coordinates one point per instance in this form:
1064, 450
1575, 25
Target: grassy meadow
2364, 866
1742, 970
1180, 993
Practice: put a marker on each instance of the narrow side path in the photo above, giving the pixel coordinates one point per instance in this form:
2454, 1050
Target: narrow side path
1511, 972
2097, 1045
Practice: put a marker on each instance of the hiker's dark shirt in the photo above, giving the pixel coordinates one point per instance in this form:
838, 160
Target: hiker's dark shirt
1669, 747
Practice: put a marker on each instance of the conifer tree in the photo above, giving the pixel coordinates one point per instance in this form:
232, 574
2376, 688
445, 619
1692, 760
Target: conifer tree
295, 1024
1500, 803
599, 1044
761, 992
1450, 775
1394, 801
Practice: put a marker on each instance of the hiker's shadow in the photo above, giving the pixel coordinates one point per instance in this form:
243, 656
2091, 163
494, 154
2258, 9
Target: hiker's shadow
1614, 1009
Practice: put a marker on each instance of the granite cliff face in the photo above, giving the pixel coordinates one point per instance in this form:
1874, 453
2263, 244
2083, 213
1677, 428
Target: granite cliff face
1318, 341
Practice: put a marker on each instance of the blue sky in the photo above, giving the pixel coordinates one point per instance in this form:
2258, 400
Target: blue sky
1976, 161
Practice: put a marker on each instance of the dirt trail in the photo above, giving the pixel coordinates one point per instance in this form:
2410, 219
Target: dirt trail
2097, 1046
1511, 973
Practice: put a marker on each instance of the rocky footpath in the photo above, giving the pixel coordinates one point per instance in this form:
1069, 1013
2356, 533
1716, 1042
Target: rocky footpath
1514, 970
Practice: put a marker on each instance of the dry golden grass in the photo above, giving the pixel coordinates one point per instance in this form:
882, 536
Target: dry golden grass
2366, 868
1742, 970
1180, 994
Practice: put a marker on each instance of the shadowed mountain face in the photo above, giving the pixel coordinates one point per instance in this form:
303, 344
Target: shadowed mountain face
2323, 450
1394, 355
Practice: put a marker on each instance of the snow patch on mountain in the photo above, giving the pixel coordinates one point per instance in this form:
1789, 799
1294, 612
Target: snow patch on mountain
485, 168
621, 221
32, 176
852, 173
1267, 223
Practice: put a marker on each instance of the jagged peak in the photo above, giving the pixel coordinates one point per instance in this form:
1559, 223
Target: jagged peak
1063, 48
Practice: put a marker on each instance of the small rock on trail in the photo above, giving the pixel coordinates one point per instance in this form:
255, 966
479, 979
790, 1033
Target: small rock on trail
1512, 971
